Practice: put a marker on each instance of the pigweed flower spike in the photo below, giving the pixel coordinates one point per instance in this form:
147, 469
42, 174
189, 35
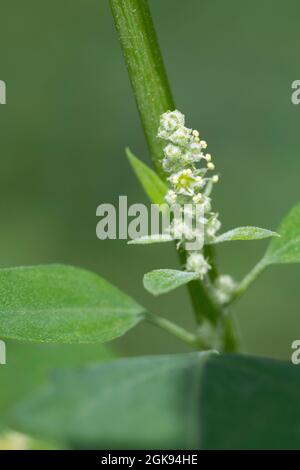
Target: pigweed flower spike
188, 169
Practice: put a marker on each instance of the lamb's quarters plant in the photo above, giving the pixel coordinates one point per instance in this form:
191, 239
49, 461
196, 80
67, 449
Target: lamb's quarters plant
195, 400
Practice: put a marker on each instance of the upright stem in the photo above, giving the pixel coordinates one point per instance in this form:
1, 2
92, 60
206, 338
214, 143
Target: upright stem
145, 68
248, 280
153, 96
202, 301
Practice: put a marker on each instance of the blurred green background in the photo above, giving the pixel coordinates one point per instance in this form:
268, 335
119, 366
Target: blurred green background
70, 113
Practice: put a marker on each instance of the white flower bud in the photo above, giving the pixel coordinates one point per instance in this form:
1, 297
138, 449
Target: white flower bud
195, 147
195, 150
182, 230
198, 264
181, 136
170, 197
225, 286
198, 198
183, 181
172, 151
213, 226
204, 201
171, 120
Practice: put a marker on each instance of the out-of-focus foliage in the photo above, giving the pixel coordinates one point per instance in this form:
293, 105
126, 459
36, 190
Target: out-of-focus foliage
198, 400
29, 365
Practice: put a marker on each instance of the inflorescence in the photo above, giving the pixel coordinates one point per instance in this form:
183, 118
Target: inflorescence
190, 184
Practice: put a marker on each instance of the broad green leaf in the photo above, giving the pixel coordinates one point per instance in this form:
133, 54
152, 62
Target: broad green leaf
153, 186
250, 403
149, 240
197, 401
63, 304
286, 249
161, 281
244, 233
147, 402
28, 365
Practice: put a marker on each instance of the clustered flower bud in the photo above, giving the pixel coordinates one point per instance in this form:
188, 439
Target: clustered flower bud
189, 183
198, 264
224, 288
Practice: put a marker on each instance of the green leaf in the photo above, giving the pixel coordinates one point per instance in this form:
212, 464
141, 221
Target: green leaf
286, 249
190, 401
149, 240
28, 365
250, 403
153, 186
63, 304
161, 281
147, 402
244, 233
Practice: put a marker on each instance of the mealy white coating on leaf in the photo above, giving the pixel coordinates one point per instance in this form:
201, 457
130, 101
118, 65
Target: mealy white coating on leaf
245, 233
161, 281
63, 304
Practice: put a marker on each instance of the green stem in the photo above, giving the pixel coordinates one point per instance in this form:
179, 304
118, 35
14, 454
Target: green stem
178, 331
248, 280
203, 302
230, 337
209, 253
153, 96
145, 68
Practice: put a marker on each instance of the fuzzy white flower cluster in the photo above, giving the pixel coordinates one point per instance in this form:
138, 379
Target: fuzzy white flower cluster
224, 288
190, 184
